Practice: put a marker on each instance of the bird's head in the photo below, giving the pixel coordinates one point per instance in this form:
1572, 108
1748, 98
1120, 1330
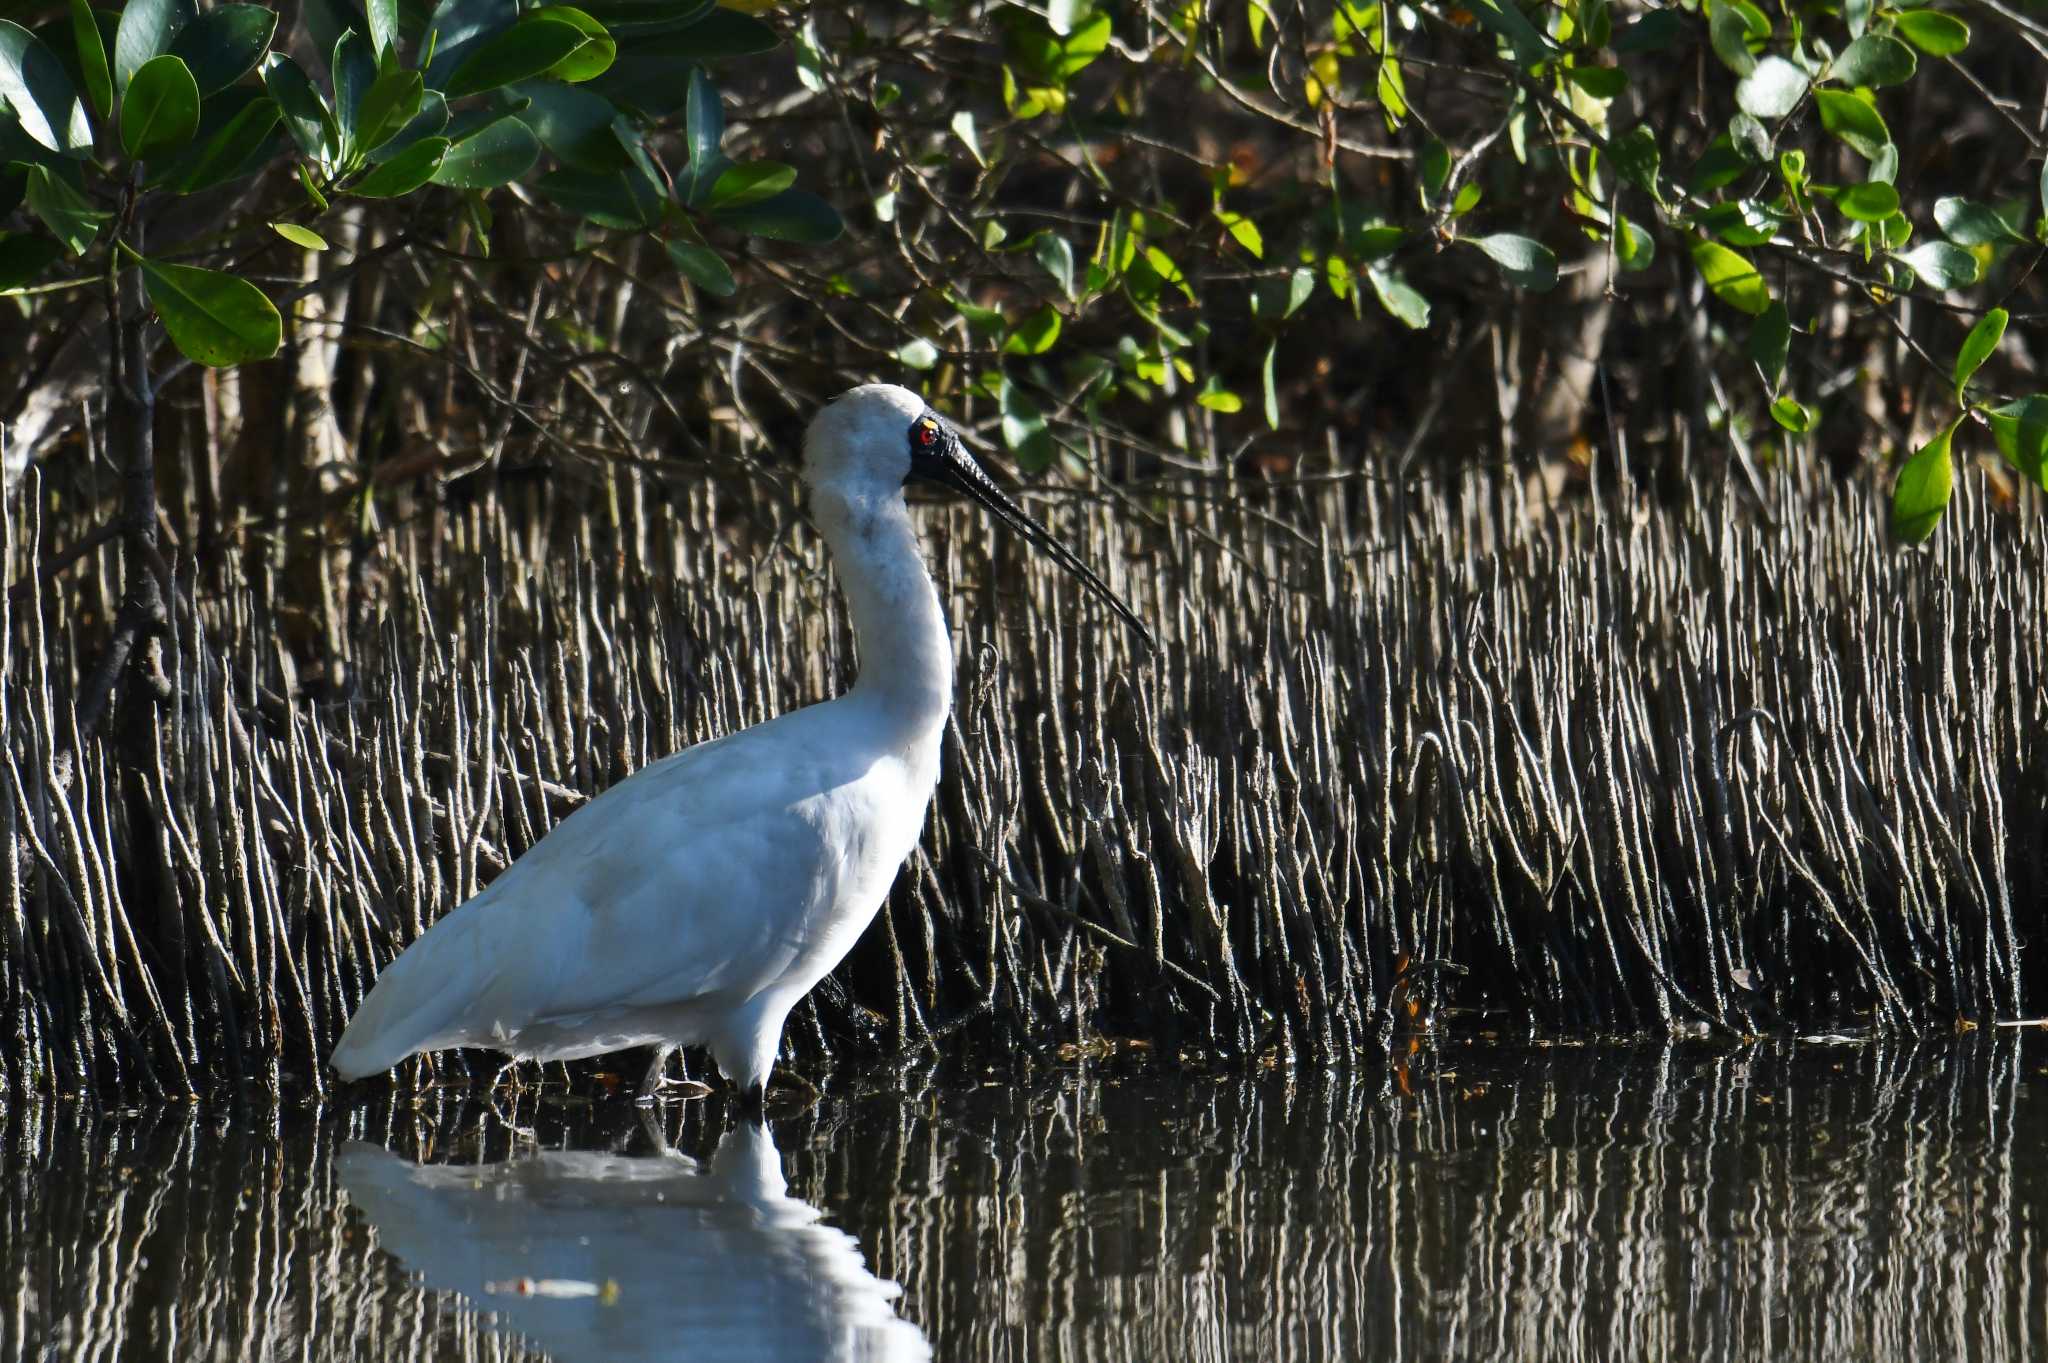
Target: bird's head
873, 439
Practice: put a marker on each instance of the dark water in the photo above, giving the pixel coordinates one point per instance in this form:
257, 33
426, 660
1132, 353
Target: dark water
1787, 1200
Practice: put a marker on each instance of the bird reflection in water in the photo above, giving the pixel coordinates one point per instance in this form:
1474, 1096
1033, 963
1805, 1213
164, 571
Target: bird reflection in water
603, 1256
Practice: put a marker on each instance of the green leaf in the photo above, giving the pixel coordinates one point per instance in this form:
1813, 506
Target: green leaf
300, 236
622, 199
1504, 18
1635, 249
1244, 232
214, 319
391, 102
34, 84
1770, 341
574, 123
703, 267
793, 215
354, 70
382, 17
1635, 157
1924, 485
146, 30
1402, 302
918, 354
1056, 254
1935, 33
1270, 393
746, 184
1527, 263
2021, 430
1601, 82
1657, 31
1941, 265
229, 153
1772, 89
1968, 223
970, 137
1872, 201
496, 154
1731, 277
589, 61
62, 209
1217, 398
1854, 120
224, 44
706, 117
92, 59
1731, 27
430, 121
529, 48
161, 111
1024, 429
1875, 59
304, 110
1792, 414
24, 256
1978, 346
405, 172
1034, 335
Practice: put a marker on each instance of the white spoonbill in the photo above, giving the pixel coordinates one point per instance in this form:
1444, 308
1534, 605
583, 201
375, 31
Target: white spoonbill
698, 900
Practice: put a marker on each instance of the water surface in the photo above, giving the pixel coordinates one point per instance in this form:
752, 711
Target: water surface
1482, 1199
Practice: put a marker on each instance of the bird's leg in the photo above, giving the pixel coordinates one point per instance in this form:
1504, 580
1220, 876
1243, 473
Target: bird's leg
657, 1081
656, 1076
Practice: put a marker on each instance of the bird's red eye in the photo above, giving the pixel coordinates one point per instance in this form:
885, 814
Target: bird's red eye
927, 434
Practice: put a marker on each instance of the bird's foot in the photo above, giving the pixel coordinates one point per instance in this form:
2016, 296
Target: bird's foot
657, 1085
664, 1089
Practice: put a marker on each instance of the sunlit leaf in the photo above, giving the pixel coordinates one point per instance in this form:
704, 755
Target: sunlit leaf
2021, 430
1875, 59
1772, 89
1854, 120
146, 30
299, 235
213, 318
1527, 263
750, 183
1935, 33
1941, 265
1731, 277
1978, 347
528, 48
223, 44
1923, 488
1968, 223
92, 60
405, 172
35, 86
1034, 335
496, 154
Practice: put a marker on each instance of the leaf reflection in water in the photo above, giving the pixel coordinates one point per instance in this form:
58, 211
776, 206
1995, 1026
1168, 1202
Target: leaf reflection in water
615, 1257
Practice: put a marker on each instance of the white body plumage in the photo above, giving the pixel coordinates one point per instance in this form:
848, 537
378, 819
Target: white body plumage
698, 900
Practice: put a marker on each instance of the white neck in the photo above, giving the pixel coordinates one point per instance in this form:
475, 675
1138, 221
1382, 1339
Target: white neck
906, 656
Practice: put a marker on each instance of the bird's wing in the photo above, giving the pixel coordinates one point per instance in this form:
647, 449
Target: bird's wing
693, 877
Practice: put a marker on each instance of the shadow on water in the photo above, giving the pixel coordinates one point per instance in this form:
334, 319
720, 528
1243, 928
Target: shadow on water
1788, 1200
